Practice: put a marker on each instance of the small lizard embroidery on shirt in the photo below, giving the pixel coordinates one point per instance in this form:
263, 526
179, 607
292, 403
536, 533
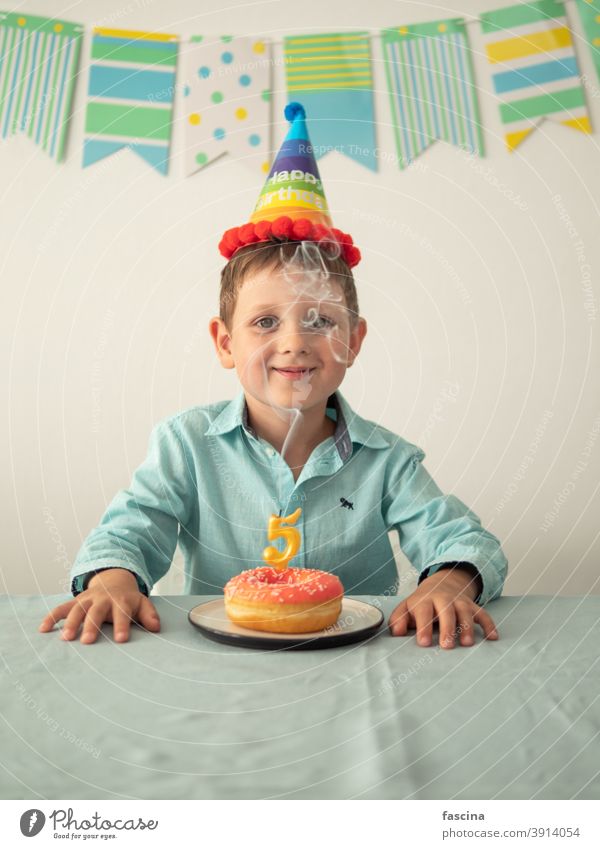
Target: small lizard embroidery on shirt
346, 503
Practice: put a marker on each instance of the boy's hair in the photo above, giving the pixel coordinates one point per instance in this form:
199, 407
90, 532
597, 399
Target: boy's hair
273, 255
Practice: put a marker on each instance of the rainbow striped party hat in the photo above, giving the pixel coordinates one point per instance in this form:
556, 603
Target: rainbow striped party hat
292, 206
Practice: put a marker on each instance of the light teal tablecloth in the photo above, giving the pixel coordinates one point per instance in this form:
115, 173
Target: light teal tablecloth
176, 716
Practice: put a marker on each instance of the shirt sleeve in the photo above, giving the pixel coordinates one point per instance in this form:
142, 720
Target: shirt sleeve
80, 582
140, 527
436, 529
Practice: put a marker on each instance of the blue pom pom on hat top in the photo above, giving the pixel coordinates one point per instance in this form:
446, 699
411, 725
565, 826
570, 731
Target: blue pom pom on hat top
293, 110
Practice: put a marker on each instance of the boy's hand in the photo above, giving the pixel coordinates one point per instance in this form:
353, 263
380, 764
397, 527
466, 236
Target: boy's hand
447, 596
111, 596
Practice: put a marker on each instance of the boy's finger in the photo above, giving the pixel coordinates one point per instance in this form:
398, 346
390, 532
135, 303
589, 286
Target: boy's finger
423, 615
55, 615
96, 615
121, 622
400, 620
147, 615
464, 617
75, 618
483, 618
447, 623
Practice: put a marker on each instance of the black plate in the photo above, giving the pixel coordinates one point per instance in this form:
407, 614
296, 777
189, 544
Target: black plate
358, 621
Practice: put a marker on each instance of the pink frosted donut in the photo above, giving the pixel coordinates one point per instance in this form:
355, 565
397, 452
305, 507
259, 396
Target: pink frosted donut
287, 601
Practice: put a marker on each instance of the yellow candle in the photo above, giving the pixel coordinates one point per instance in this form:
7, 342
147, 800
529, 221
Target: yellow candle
271, 555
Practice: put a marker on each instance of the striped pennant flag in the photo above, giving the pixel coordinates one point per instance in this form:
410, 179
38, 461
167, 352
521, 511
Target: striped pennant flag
227, 106
431, 87
39, 58
130, 95
589, 12
330, 74
535, 72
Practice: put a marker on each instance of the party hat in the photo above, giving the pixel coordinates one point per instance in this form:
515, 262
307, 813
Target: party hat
292, 206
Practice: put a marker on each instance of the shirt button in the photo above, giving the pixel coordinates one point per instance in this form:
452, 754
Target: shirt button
270, 451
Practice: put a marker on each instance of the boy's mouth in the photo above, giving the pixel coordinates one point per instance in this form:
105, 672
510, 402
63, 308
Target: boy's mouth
294, 373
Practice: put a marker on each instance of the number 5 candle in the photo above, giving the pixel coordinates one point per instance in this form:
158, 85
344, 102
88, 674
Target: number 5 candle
272, 556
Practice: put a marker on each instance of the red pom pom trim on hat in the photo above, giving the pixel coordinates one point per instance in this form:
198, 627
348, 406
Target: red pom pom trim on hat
247, 234
281, 228
302, 229
263, 230
334, 241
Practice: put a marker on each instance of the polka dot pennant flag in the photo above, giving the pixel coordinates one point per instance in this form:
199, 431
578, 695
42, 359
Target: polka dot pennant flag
227, 101
534, 68
130, 95
589, 12
330, 73
39, 58
432, 88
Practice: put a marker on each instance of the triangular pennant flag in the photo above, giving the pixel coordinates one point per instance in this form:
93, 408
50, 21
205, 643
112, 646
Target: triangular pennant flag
39, 58
130, 95
534, 68
227, 101
431, 86
331, 75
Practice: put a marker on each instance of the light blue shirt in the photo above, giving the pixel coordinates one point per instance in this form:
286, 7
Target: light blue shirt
209, 484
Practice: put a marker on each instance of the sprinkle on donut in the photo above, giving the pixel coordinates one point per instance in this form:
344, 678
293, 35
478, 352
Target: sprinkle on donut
289, 586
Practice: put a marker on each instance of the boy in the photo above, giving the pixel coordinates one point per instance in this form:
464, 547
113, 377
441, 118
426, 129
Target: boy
290, 326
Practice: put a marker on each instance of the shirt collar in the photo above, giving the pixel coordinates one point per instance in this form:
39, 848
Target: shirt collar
350, 427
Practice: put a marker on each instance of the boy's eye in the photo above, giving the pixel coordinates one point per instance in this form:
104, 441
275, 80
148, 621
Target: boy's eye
319, 322
265, 326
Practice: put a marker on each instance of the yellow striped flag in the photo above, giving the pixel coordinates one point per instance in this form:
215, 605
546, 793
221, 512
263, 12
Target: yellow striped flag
330, 74
534, 68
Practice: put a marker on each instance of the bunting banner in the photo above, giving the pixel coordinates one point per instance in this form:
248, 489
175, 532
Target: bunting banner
130, 95
39, 58
589, 12
431, 87
535, 72
227, 105
227, 91
330, 74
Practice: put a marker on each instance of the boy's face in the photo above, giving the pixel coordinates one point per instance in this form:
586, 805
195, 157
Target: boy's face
290, 339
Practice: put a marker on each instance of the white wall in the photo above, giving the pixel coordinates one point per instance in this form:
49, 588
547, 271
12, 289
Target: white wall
481, 331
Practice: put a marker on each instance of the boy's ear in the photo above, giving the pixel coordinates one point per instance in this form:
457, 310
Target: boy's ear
356, 339
222, 340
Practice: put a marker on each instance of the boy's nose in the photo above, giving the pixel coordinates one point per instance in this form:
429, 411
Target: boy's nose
293, 339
